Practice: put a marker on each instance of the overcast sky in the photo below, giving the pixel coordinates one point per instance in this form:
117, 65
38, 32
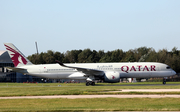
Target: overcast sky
62, 25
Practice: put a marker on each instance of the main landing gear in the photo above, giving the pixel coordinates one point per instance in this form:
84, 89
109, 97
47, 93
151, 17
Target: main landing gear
90, 81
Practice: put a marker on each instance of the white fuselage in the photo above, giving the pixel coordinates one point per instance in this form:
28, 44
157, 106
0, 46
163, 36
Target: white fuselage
108, 72
126, 70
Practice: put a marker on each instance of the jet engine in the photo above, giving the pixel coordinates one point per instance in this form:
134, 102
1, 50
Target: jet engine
111, 76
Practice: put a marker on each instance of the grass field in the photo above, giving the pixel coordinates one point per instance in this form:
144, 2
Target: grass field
87, 105
31, 89
95, 104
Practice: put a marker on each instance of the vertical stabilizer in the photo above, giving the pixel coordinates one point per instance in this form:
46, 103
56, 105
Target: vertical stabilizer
16, 56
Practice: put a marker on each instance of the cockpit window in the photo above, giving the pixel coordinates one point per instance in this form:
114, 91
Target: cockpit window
168, 67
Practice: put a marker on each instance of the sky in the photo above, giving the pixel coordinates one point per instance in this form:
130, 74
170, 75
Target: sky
62, 25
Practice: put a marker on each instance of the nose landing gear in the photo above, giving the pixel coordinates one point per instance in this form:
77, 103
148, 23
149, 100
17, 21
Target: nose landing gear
164, 80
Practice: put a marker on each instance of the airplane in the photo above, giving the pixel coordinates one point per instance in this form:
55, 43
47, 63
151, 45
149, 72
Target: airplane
108, 72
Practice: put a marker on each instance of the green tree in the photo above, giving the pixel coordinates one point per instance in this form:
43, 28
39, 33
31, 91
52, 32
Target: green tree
117, 55
49, 57
59, 56
94, 57
84, 55
106, 57
129, 57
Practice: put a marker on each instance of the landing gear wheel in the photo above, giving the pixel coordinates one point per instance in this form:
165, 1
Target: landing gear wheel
164, 81
93, 83
87, 83
90, 80
90, 83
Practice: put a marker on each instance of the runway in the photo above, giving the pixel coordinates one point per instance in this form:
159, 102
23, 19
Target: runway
148, 90
139, 85
92, 96
106, 96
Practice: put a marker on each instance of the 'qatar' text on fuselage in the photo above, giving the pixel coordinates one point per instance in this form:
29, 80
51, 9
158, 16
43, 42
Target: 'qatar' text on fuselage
138, 68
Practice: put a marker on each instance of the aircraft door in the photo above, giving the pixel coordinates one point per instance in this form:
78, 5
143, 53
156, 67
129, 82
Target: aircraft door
45, 69
42, 70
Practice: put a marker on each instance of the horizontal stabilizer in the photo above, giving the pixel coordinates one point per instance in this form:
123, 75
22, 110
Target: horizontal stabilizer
14, 69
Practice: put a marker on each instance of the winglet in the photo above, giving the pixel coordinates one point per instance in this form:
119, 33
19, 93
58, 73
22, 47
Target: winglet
60, 63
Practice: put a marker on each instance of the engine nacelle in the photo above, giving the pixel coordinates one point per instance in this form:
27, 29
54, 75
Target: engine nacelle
111, 76
77, 75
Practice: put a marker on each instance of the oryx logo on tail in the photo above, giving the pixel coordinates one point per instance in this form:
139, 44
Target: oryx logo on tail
16, 57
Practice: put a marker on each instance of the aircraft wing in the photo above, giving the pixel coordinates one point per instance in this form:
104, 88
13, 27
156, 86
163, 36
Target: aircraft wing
87, 71
20, 70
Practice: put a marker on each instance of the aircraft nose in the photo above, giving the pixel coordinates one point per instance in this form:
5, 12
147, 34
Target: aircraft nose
173, 72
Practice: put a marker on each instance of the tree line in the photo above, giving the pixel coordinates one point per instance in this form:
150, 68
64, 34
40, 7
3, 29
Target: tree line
142, 54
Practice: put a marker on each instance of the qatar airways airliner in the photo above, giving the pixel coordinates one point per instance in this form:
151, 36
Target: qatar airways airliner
108, 72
